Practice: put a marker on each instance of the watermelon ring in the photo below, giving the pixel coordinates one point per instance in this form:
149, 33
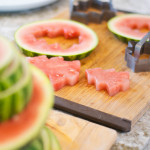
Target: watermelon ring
28, 39
25, 127
129, 27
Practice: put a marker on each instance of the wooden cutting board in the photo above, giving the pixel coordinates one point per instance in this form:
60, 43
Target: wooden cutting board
78, 134
120, 111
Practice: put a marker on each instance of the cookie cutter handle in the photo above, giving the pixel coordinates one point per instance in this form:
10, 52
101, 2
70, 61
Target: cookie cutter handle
138, 46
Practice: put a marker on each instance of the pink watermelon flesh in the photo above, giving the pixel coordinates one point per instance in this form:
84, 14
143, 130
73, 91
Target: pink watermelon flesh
109, 80
60, 72
15, 127
133, 26
31, 36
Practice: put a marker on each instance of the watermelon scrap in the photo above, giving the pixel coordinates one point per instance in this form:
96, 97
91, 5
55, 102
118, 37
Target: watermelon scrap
109, 80
60, 72
31, 39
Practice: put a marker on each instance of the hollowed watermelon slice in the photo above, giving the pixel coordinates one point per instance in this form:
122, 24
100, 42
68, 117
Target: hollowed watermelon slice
109, 80
130, 26
60, 72
28, 38
22, 128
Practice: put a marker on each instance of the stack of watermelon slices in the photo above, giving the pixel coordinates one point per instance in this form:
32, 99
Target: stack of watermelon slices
24, 105
15, 81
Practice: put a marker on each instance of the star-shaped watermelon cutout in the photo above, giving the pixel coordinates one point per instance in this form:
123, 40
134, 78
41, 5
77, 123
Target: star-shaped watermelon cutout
59, 71
109, 80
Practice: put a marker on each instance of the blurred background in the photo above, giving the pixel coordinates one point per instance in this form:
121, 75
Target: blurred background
14, 13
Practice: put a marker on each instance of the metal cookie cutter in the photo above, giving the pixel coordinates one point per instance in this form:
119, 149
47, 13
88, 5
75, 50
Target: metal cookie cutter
133, 52
78, 11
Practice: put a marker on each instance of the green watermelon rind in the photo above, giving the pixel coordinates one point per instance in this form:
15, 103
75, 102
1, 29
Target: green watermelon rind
54, 140
69, 57
39, 143
11, 74
10, 55
45, 138
34, 130
14, 99
76, 56
36, 144
118, 34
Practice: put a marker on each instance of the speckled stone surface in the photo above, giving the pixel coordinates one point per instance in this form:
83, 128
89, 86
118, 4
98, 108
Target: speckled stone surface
139, 137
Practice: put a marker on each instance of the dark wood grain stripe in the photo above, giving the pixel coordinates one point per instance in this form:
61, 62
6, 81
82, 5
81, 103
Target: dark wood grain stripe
93, 115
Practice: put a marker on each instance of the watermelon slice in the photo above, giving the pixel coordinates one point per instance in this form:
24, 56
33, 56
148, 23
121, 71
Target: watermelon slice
29, 39
109, 80
130, 26
22, 128
60, 72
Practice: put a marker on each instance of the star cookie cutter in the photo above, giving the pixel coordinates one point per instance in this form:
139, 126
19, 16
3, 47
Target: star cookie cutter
79, 11
134, 51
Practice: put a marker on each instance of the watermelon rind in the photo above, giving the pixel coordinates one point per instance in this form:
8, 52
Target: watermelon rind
35, 144
54, 141
4, 63
46, 140
47, 102
124, 37
41, 142
14, 99
67, 56
11, 74
47, 145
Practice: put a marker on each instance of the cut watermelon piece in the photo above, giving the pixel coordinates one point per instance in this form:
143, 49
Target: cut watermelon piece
22, 128
29, 39
109, 80
130, 26
60, 72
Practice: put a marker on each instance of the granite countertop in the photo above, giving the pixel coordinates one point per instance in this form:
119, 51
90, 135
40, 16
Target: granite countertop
139, 137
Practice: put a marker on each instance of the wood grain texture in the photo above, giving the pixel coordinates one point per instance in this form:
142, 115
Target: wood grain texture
110, 52
78, 134
93, 115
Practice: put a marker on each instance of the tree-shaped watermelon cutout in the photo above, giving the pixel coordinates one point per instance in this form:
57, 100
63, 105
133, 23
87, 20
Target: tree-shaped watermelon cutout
30, 38
59, 71
109, 80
